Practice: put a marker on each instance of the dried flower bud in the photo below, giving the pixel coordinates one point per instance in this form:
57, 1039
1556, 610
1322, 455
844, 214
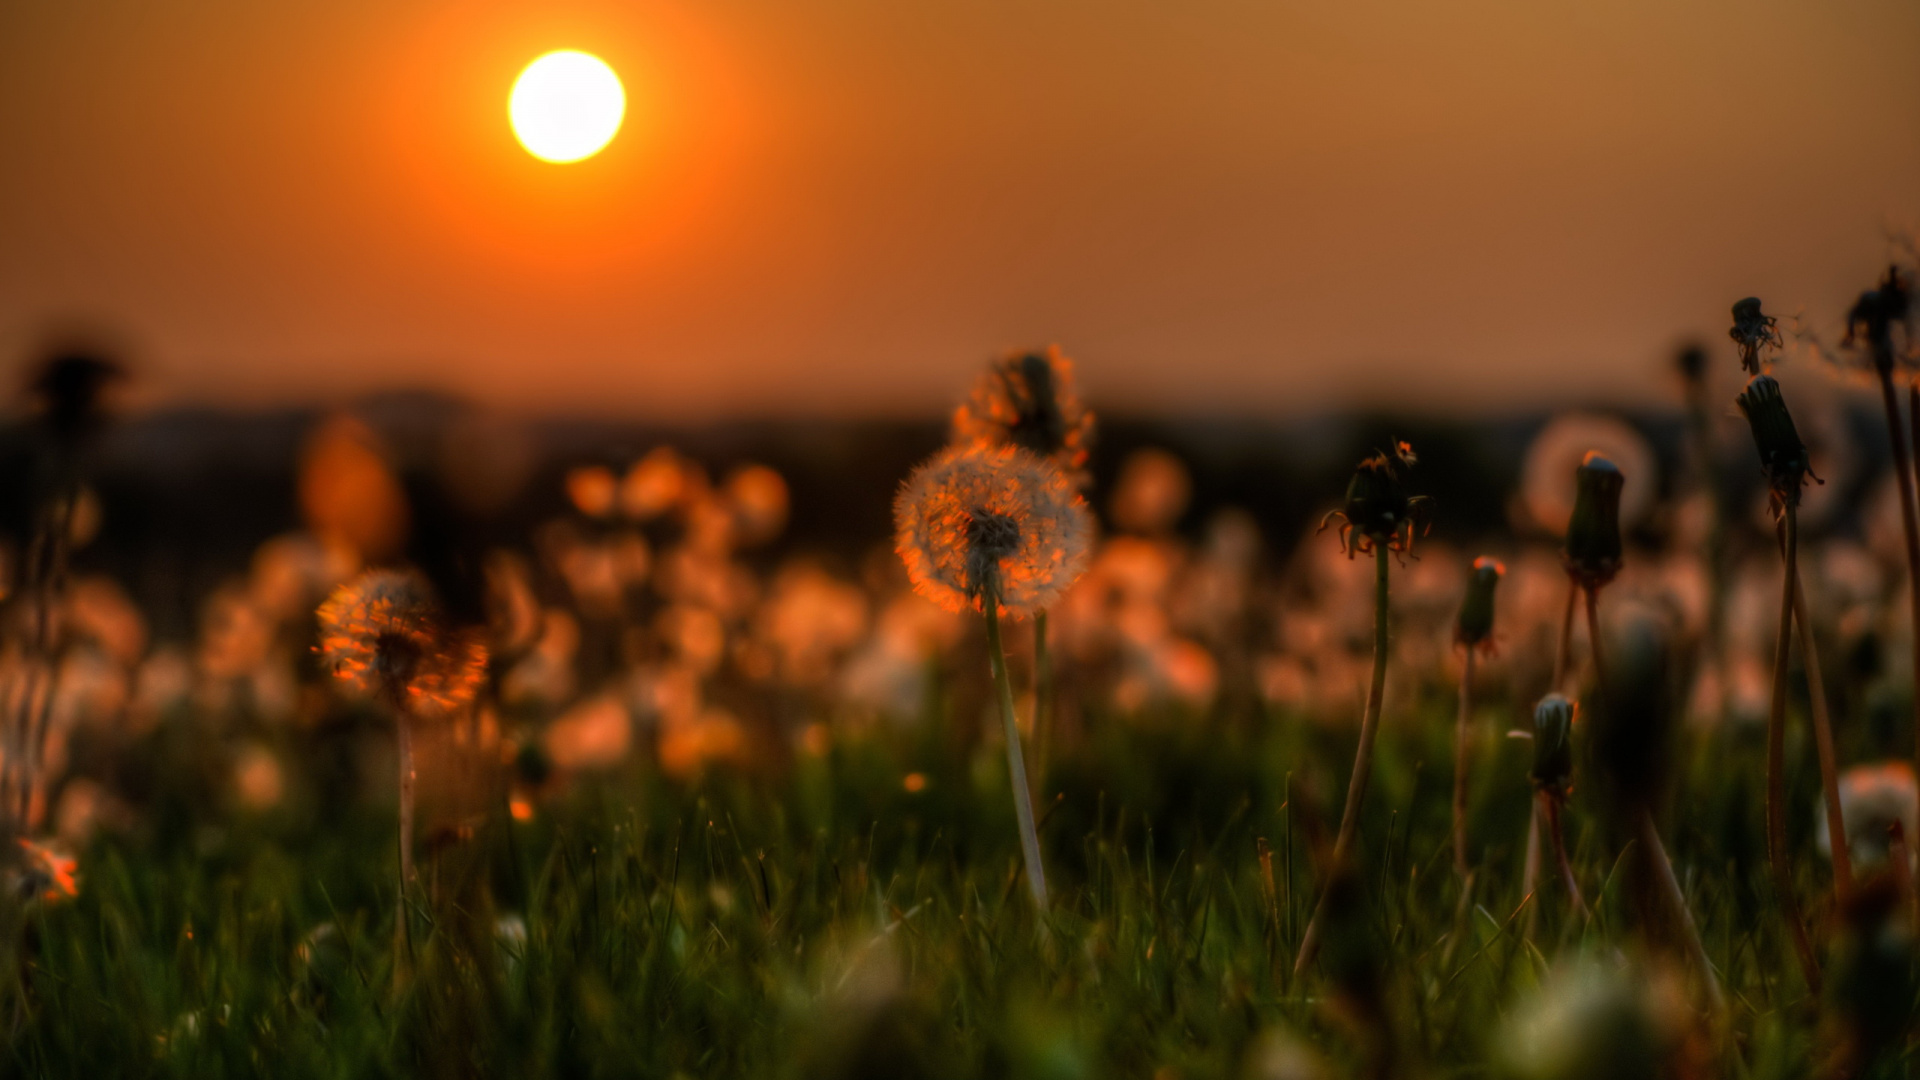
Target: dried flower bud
1553, 742
1593, 548
1751, 330
1378, 509
1781, 451
1475, 627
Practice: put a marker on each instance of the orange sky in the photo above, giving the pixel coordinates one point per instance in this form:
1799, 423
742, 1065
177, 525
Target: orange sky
1242, 206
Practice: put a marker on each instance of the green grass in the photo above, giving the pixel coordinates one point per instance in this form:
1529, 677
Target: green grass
826, 922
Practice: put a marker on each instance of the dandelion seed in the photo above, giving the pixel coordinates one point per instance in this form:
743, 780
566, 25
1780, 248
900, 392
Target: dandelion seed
979, 524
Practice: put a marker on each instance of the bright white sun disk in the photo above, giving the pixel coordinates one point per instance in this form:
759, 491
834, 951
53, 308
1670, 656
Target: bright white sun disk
566, 106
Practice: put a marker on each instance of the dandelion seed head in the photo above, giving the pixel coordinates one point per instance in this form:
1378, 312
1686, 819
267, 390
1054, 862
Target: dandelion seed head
382, 632
991, 521
1030, 400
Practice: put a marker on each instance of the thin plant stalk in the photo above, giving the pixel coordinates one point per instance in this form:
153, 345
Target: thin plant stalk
403, 929
1362, 758
1042, 692
1460, 733
1530, 871
1681, 915
1016, 763
1670, 888
1563, 656
1776, 763
1549, 811
1910, 526
1823, 743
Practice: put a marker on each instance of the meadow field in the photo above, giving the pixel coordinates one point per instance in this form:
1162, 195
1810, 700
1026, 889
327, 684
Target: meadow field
1528, 759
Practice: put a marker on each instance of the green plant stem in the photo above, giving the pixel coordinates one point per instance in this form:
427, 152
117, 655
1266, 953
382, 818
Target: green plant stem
1823, 743
1776, 766
1460, 731
1910, 527
1362, 759
1016, 763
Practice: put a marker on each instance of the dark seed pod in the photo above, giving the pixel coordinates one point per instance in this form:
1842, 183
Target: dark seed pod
1475, 628
1553, 743
1593, 548
1781, 451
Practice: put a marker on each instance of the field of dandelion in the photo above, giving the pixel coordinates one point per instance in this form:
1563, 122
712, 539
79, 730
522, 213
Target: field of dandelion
409, 741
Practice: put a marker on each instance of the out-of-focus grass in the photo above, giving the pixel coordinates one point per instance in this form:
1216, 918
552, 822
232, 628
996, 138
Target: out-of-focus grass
831, 923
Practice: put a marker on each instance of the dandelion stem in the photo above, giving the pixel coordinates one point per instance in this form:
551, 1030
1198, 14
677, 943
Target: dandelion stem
1550, 812
1776, 762
1903, 473
1682, 916
1823, 743
1016, 763
1530, 871
1362, 759
403, 931
1042, 692
1563, 656
1460, 731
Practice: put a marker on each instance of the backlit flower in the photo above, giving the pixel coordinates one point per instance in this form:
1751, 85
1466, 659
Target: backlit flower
382, 632
1029, 400
1474, 629
980, 522
45, 873
1593, 547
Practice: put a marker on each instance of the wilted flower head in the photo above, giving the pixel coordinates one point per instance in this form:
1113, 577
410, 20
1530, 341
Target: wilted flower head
1593, 548
1751, 331
1475, 628
1553, 742
1029, 400
382, 632
1781, 451
1378, 509
991, 522
1873, 316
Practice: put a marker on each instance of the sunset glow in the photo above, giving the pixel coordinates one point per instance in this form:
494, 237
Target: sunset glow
566, 106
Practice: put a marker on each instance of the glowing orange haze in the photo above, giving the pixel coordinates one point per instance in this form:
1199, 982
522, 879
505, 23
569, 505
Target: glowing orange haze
843, 206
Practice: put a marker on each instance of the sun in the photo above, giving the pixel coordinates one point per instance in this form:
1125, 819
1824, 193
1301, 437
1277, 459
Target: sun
566, 106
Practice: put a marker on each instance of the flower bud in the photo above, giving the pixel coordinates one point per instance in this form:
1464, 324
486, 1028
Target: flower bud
1781, 451
1592, 553
1553, 742
1475, 627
